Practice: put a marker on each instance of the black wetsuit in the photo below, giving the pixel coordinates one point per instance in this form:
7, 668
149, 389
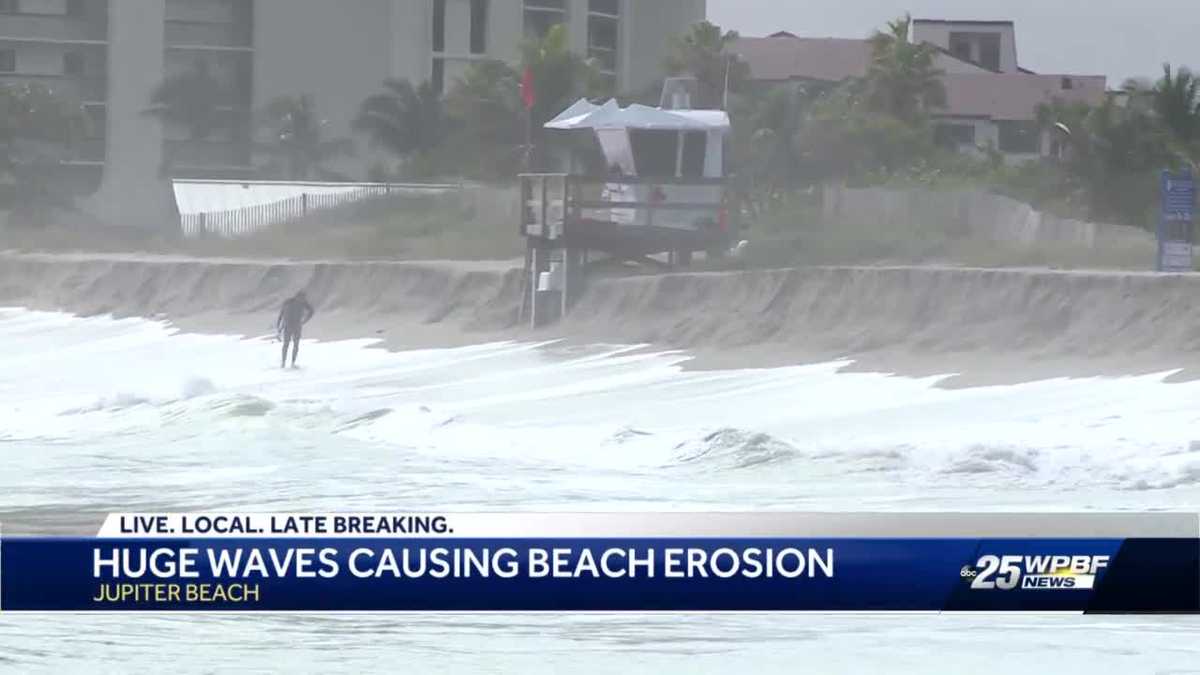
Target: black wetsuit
292, 316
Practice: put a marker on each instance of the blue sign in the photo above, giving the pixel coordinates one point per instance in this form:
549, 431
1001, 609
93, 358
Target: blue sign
1175, 222
634, 574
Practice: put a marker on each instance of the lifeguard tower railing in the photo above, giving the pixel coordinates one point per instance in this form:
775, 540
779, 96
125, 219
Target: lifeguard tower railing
566, 217
628, 216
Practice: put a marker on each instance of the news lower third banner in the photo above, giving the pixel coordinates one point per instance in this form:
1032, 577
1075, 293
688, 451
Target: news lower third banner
635, 562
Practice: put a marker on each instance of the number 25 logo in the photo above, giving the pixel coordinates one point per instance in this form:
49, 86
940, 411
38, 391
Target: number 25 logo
1008, 568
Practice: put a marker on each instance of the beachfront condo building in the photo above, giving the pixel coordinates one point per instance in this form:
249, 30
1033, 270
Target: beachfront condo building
111, 55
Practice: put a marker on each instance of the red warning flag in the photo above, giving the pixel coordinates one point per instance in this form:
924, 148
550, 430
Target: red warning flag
528, 95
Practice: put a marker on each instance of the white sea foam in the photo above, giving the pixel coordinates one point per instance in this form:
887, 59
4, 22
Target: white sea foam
101, 415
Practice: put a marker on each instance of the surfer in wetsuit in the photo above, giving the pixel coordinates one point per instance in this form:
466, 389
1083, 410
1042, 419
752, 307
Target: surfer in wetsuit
292, 316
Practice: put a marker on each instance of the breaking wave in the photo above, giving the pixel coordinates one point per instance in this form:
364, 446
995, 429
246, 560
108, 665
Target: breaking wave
734, 449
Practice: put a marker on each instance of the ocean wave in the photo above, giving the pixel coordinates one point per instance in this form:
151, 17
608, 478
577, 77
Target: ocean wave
244, 406
110, 403
985, 460
731, 448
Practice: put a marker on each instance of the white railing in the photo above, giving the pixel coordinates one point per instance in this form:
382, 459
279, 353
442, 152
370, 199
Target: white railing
249, 220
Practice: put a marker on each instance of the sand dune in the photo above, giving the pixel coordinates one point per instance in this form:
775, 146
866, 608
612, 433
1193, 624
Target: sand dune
465, 296
999, 324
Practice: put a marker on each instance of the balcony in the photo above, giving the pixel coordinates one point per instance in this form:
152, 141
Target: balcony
78, 89
88, 151
183, 156
189, 34
52, 28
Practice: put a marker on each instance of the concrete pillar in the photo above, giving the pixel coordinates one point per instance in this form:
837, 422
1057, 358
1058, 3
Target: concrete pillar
577, 25
411, 33
506, 30
133, 192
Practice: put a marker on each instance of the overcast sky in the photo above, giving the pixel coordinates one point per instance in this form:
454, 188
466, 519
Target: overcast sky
1117, 38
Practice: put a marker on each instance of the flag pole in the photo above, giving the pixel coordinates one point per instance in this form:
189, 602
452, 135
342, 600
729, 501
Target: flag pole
529, 98
529, 140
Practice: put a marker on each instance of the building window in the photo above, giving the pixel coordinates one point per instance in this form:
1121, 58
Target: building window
695, 147
438, 79
609, 7
73, 64
97, 121
954, 136
978, 48
1068, 83
603, 34
989, 51
656, 151
542, 15
1019, 137
439, 25
8, 60
479, 27
960, 47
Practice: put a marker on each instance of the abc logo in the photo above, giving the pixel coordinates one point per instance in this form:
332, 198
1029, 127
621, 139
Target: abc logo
968, 572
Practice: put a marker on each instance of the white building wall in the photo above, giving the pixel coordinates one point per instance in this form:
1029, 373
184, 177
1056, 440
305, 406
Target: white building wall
953, 66
577, 25
40, 59
58, 7
208, 12
458, 29
132, 191
411, 39
652, 24
338, 52
939, 34
506, 29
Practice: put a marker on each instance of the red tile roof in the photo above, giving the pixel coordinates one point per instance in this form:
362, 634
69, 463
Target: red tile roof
1016, 96
788, 58
1002, 96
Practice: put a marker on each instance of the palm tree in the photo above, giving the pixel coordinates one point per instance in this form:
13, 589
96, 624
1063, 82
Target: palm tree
37, 130
903, 79
1176, 100
704, 53
296, 147
560, 76
191, 99
485, 108
1115, 154
1062, 121
486, 101
403, 119
766, 132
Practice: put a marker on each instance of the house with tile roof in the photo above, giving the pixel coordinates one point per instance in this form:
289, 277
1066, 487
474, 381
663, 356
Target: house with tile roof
991, 101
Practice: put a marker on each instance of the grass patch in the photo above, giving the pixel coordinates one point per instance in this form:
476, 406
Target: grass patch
472, 224
481, 224
792, 234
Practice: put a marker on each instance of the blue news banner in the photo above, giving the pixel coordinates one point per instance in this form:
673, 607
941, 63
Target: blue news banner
635, 574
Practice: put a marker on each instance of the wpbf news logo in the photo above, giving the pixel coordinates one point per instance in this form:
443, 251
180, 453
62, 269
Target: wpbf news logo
1035, 572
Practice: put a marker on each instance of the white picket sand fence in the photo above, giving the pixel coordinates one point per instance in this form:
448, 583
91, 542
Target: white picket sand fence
231, 208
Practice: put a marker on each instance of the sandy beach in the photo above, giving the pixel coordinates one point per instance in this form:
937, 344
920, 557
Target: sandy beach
987, 326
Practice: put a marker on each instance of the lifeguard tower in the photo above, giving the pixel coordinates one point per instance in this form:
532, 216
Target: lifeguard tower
642, 182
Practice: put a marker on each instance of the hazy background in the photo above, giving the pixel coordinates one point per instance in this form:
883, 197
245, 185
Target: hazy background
1117, 38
